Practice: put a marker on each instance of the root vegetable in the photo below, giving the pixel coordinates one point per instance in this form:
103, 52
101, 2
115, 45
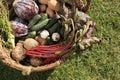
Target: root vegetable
41, 40
44, 34
43, 1
50, 12
30, 43
35, 61
56, 36
18, 53
54, 5
42, 8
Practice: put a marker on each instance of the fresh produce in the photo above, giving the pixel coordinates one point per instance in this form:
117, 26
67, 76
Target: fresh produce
31, 34
56, 37
20, 20
30, 43
19, 29
41, 41
54, 5
53, 20
44, 34
54, 28
43, 8
43, 1
40, 25
25, 9
18, 52
50, 12
35, 61
34, 20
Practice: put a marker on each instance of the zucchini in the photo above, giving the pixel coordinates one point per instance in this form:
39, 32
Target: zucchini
34, 20
31, 35
43, 17
54, 28
40, 25
52, 22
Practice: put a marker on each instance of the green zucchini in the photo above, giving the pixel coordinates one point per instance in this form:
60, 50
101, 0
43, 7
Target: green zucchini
31, 35
52, 22
34, 20
43, 17
40, 25
54, 28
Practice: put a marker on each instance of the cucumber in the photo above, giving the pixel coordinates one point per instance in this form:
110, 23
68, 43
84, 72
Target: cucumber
40, 25
50, 41
54, 28
31, 35
34, 20
52, 22
43, 17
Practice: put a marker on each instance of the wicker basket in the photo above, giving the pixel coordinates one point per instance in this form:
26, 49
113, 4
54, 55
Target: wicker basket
5, 52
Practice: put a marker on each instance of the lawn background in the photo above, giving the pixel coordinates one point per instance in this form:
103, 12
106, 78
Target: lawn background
103, 61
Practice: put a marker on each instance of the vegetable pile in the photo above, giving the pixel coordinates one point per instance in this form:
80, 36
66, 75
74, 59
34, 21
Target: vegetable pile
46, 30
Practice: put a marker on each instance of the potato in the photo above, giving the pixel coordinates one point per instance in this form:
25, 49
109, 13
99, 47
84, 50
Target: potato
54, 5
34, 61
18, 53
50, 12
30, 43
43, 1
42, 8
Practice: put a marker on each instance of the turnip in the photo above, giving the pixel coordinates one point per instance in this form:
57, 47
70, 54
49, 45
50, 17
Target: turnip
30, 43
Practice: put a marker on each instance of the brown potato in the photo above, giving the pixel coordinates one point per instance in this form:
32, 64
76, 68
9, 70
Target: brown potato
34, 61
43, 1
54, 5
43, 8
50, 12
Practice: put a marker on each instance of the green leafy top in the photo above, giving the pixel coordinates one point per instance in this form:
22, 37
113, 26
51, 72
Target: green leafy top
5, 28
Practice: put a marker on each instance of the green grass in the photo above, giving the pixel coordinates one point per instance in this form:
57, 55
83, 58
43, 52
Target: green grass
103, 62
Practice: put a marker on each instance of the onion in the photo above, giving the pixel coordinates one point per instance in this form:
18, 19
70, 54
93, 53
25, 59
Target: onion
44, 34
56, 36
